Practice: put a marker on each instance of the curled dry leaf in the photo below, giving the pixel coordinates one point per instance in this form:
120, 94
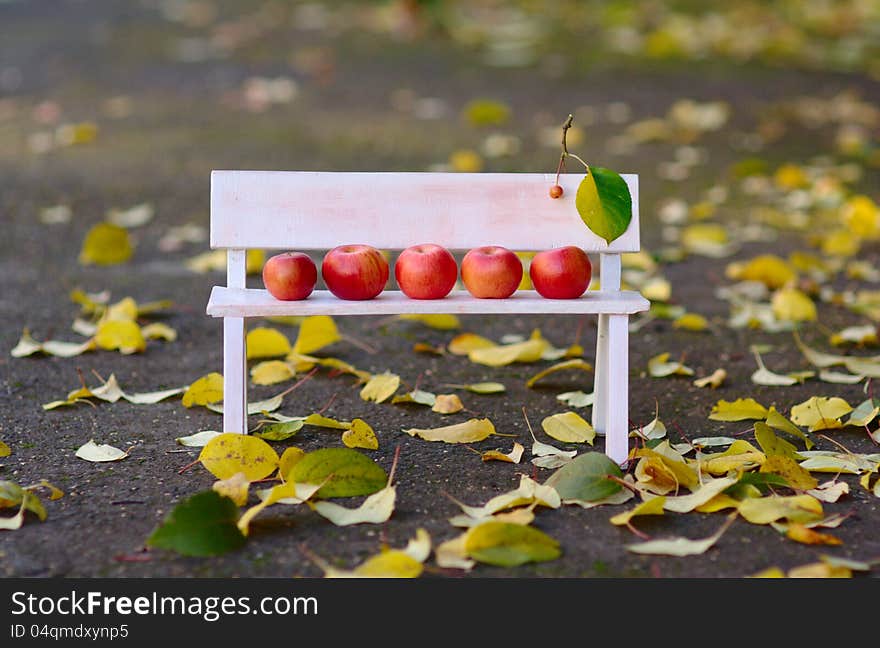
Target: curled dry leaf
680, 546
714, 380
197, 440
574, 363
660, 367
94, 452
376, 509
470, 431
447, 404
514, 456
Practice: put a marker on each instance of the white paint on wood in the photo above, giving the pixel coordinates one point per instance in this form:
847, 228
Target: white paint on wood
257, 302
600, 376
617, 382
234, 376
609, 272
236, 268
299, 210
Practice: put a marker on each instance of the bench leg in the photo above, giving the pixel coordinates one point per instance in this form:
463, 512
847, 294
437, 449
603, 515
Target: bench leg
600, 384
617, 383
234, 376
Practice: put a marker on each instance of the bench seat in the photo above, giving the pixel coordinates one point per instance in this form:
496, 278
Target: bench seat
256, 302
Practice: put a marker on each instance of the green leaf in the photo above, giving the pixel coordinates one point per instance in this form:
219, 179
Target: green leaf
347, 472
279, 431
586, 478
507, 545
604, 203
201, 525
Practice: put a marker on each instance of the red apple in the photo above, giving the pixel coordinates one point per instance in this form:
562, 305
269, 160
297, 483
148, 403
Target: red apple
491, 272
426, 271
290, 276
561, 273
355, 272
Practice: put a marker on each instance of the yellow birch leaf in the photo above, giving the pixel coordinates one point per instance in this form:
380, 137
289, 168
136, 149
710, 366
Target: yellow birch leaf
718, 503
253, 261
792, 305
569, 427
5, 450
575, 363
656, 289
265, 342
840, 243
392, 563
271, 372
447, 404
470, 431
771, 270
514, 456
380, 387
123, 335
740, 455
789, 469
441, 322
464, 343
376, 509
800, 533
481, 388
105, 244
660, 367
206, 390
289, 458
820, 413
124, 309
652, 506
738, 410
320, 420
797, 508
341, 366
315, 333
679, 546
791, 176
778, 421
360, 435
706, 492
770, 572
231, 453
527, 493
714, 380
235, 488
505, 354
691, 322
819, 570
159, 331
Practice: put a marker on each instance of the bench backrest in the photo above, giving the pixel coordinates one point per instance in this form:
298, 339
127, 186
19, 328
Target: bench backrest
299, 210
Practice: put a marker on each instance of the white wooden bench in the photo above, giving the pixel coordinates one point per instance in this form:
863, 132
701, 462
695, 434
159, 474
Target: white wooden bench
282, 210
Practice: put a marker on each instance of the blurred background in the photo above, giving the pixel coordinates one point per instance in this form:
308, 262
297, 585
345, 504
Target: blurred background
122, 100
